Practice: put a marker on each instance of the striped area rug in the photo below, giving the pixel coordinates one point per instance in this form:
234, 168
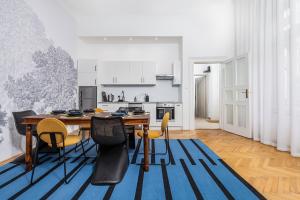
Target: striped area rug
195, 172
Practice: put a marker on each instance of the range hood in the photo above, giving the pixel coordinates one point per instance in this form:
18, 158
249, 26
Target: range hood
164, 76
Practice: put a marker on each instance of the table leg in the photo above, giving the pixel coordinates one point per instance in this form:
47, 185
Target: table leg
146, 148
28, 155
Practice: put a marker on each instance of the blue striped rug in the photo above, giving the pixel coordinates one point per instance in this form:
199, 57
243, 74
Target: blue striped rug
195, 172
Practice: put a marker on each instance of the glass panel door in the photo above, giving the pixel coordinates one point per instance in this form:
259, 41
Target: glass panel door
236, 96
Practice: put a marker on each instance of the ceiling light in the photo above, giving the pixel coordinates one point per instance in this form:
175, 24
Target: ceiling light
130, 38
104, 38
156, 38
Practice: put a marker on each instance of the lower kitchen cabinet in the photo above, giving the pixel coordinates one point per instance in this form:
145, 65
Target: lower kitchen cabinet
151, 108
111, 107
178, 115
155, 124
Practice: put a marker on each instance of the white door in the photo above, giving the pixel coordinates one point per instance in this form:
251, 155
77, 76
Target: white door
235, 93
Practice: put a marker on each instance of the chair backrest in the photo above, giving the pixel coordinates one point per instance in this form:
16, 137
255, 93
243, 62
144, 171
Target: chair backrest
99, 110
165, 121
108, 131
18, 117
51, 127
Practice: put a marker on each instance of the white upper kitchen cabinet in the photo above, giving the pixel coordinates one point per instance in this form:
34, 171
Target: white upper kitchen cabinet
136, 72
127, 73
87, 72
177, 73
114, 73
149, 73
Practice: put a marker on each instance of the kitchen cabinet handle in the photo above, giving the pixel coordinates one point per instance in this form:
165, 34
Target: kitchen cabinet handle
95, 68
95, 81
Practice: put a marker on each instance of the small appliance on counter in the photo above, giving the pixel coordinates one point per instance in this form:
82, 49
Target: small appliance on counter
122, 97
104, 97
110, 98
146, 98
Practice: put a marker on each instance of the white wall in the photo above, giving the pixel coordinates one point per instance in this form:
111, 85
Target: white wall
205, 25
60, 27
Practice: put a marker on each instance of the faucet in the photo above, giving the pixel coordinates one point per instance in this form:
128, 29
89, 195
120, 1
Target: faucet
123, 96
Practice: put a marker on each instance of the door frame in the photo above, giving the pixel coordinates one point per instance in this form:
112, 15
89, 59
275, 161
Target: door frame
202, 60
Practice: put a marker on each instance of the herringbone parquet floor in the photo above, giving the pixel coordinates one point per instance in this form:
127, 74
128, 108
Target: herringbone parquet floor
273, 173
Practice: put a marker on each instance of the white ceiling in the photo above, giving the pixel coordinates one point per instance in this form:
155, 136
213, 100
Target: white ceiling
79, 8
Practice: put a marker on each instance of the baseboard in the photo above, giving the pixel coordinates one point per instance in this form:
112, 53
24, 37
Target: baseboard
10, 159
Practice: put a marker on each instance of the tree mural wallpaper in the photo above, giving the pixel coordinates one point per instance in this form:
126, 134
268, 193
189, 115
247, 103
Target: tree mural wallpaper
34, 72
2, 122
50, 86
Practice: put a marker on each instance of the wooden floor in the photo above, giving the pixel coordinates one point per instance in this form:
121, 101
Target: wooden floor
273, 173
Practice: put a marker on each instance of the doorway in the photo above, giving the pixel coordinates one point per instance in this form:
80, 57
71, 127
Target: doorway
207, 101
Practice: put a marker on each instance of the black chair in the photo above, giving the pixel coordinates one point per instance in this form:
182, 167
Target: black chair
112, 156
18, 117
21, 128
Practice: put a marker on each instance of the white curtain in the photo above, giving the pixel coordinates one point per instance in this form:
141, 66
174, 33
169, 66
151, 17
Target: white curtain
274, 54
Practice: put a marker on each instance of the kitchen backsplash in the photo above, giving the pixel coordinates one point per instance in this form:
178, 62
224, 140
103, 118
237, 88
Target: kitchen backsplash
163, 91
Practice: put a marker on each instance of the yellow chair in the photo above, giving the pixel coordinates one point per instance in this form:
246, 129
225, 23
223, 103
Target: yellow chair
164, 131
99, 110
55, 134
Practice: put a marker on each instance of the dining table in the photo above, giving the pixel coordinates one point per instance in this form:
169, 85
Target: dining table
85, 120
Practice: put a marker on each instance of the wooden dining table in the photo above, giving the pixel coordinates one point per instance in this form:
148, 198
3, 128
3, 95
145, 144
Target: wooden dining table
85, 120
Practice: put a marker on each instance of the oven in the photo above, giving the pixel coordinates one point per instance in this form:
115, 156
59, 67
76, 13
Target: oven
162, 108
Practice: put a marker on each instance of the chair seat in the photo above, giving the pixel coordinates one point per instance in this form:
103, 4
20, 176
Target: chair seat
152, 134
70, 140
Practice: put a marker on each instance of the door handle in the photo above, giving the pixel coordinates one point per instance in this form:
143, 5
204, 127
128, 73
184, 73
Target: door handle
246, 93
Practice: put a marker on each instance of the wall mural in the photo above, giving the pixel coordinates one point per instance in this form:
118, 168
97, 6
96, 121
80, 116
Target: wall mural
49, 86
2, 122
34, 74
